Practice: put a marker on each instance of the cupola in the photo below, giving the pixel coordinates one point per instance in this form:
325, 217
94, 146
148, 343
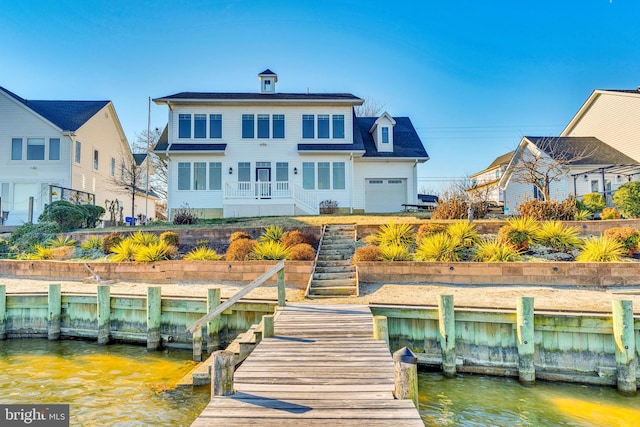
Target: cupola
268, 81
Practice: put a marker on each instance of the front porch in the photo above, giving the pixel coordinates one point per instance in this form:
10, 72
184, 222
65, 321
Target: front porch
267, 198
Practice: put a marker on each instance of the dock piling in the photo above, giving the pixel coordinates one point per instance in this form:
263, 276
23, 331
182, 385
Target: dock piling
381, 329
526, 344
405, 365
624, 336
104, 313
281, 289
222, 373
197, 345
267, 326
54, 310
154, 302
213, 326
447, 330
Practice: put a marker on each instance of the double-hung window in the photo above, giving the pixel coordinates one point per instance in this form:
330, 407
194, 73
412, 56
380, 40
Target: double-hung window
199, 176
95, 159
244, 172
215, 126
16, 149
78, 151
113, 167
278, 126
215, 176
263, 126
323, 126
308, 175
247, 126
385, 135
324, 179
184, 125
338, 126
54, 148
282, 171
199, 125
308, 129
184, 176
338, 176
35, 149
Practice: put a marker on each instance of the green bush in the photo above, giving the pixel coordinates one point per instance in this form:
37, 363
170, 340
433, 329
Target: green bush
202, 253
93, 215
272, 233
601, 249
271, 249
60, 241
519, 231
627, 199
494, 250
124, 251
463, 232
154, 251
5, 249
610, 213
29, 235
110, 241
68, 215
438, 247
396, 235
93, 242
395, 253
170, 237
557, 236
594, 202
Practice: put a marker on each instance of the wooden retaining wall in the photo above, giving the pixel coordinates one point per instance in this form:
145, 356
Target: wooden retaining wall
31, 316
238, 272
582, 348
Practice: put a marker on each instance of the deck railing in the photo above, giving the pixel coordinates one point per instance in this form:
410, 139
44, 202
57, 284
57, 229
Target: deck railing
258, 190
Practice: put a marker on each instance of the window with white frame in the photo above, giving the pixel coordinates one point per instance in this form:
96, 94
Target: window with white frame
244, 172
278, 126
338, 126
215, 126
199, 126
595, 185
113, 167
35, 148
247, 126
324, 176
323, 126
338, 176
308, 126
95, 159
78, 151
184, 125
282, 171
308, 175
263, 126
385, 135
215, 176
54, 148
184, 176
16, 149
199, 175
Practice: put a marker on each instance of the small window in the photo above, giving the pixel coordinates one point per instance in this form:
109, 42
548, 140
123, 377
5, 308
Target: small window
54, 149
323, 176
385, 135
595, 185
184, 125
215, 126
308, 129
199, 125
184, 176
244, 172
113, 167
278, 126
16, 149
247, 126
95, 159
338, 126
35, 149
199, 176
395, 181
308, 175
215, 176
376, 181
79, 151
323, 126
122, 170
338, 176
263, 126
282, 171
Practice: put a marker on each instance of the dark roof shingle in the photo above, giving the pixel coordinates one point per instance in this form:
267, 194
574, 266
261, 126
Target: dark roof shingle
585, 150
234, 96
406, 142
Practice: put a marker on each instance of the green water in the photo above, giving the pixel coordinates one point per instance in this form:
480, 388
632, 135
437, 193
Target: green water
469, 400
114, 385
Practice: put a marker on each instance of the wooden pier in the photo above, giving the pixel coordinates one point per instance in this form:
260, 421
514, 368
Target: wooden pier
321, 367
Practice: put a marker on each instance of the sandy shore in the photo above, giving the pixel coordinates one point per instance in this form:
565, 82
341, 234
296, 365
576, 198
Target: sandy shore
494, 297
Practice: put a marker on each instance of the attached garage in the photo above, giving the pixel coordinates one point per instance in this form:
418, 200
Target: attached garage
385, 194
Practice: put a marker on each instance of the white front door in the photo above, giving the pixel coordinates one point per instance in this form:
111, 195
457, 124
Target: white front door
263, 179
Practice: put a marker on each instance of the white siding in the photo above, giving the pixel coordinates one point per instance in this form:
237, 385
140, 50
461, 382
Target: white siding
369, 169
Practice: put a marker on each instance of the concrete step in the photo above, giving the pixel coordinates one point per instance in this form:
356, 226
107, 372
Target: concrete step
334, 276
332, 283
336, 269
332, 257
333, 291
337, 246
334, 263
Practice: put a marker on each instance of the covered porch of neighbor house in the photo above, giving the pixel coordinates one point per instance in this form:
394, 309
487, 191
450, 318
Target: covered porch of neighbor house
605, 180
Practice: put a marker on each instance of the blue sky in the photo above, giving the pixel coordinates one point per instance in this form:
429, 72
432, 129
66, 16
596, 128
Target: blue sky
473, 76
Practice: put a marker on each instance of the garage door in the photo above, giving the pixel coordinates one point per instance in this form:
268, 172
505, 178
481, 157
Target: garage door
385, 195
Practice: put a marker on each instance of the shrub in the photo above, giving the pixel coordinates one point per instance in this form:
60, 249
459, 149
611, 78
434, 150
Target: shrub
202, 253
271, 249
155, 251
63, 252
272, 233
396, 235
110, 241
438, 247
328, 207
395, 253
170, 238
627, 199
367, 253
184, 216
594, 202
239, 235
93, 215
240, 250
28, 235
124, 251
519, 231
610, 213
67, 215
5, 249
41, 252
494, 250
601, 249
61, 241
302, 252
450, 208
629, 237
144, 239
542, 210
93, 242
582, 215
557, 236
292, 238
464, 232
428, 229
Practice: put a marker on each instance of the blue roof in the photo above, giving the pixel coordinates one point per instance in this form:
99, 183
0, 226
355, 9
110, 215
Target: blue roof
406, 142
67, 115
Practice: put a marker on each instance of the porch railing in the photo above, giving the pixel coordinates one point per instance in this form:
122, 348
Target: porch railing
308, 199
258, 190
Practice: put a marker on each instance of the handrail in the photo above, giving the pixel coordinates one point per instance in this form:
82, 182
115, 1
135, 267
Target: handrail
238, 295
315, 262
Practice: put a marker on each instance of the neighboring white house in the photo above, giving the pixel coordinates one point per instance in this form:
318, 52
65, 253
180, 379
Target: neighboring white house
586, 163
270, 153
484, 184
52, 150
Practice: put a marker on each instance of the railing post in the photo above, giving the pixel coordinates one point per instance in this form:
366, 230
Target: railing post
281, 288
447, 330
30, 210
624, 336
405, 366
381, 329
197, 344
222, 373
3, 312
524, 332
154, 301
104, 314
267, 326
54, 310
213, 326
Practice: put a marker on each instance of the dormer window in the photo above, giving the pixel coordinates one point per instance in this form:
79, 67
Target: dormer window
267, 85
385, 135
268, 80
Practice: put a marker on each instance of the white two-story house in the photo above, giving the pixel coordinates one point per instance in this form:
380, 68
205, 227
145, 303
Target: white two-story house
54, 150
270, 153
483, 185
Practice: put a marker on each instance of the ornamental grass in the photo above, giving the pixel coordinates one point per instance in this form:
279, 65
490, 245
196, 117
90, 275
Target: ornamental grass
601, 249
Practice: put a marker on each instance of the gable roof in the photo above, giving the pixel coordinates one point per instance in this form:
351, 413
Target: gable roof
406, 142
589, 102
67, 115
498, 162
236, 96
587, 150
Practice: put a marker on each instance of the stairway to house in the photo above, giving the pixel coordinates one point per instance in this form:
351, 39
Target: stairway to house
334, 275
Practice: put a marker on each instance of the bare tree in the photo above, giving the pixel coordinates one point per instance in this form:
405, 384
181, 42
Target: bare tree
545, 160
370, 108
130, 181
158, 181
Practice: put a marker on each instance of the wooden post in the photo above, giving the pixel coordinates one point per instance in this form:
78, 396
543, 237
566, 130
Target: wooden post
30, 210
104, 313
197, 345
154, 301
405, 366
267, 326
213, 326
624, 336
281, 289
54, 309
381, 329
526, 347
222, 373
447, 330
3, 312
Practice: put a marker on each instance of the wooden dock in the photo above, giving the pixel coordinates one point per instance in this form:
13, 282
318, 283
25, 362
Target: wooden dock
322, 367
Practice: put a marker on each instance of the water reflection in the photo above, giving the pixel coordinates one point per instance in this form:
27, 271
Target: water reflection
105, 385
